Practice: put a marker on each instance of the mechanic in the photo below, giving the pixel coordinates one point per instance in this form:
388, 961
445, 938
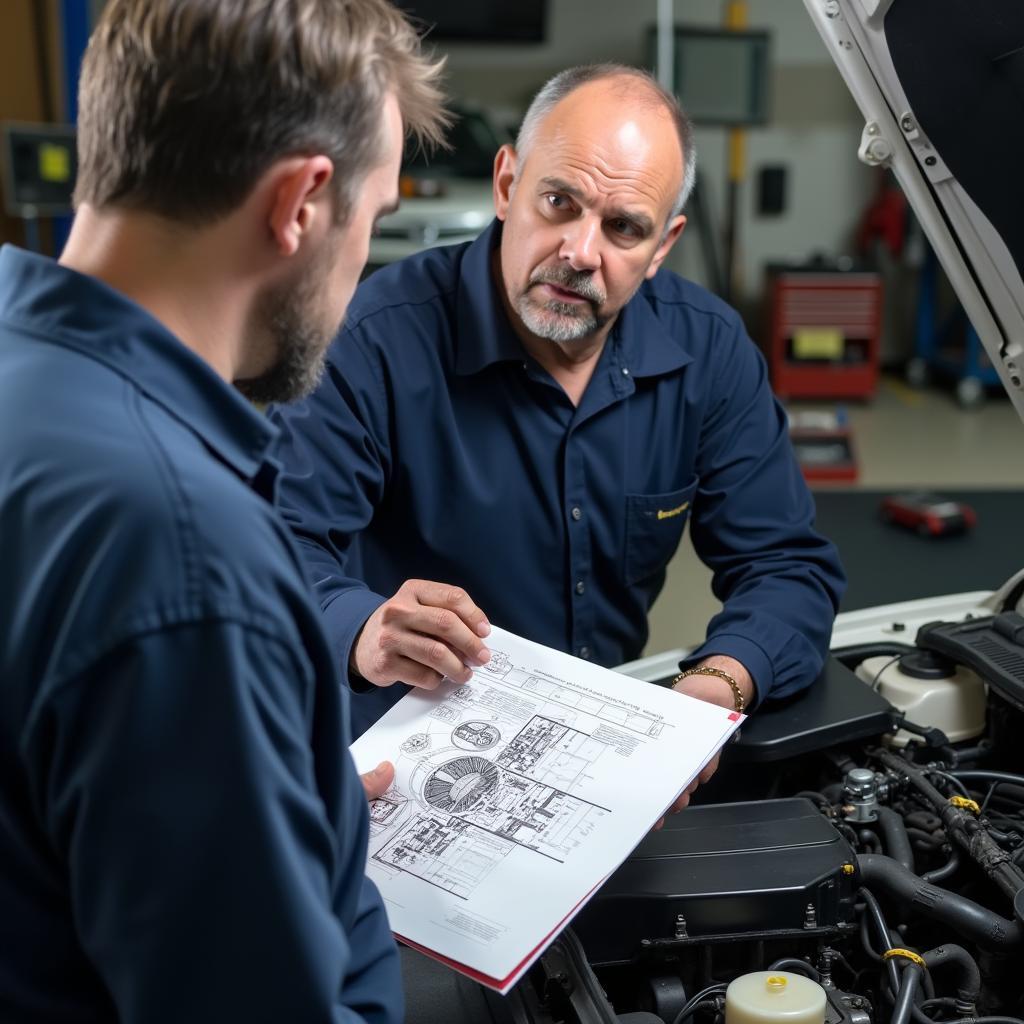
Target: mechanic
517, 430
184, 831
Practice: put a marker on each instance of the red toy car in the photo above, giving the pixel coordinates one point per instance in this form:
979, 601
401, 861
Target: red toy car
929, 514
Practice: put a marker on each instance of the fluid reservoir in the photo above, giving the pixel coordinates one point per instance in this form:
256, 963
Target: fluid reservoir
774, 997
931, 690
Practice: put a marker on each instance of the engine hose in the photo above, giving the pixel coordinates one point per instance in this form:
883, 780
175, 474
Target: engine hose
874, 913
942, 873
977, 753
926, 840
970, 974
868, 839
905, 998
986, 1020
791, 963
894, 836
1009, 784
985, 775
927, 821
689, 1011
852, 655
970, 919
963, 827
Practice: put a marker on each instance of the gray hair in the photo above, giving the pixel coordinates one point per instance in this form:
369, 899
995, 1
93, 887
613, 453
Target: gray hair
556, 89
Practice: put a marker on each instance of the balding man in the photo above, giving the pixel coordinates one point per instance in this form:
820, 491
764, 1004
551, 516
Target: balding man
517, 431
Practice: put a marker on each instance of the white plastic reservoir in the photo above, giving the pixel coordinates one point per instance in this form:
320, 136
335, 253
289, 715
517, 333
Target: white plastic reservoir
950, 698
774, 997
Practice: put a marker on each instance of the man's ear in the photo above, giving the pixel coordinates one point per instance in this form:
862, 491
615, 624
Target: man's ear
505, 164
675, 229
298, 198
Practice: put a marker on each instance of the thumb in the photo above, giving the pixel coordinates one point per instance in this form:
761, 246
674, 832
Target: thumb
377, 782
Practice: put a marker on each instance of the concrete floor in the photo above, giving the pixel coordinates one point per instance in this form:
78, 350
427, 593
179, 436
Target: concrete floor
903, 439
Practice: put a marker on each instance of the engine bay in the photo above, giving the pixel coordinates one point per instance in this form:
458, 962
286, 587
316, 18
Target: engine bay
868, 835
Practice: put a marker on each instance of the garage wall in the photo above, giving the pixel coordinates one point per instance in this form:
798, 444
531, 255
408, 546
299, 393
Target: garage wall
814, 129
21, 88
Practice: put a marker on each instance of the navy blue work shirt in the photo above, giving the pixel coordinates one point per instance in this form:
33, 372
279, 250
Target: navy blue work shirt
183, 829
436, 448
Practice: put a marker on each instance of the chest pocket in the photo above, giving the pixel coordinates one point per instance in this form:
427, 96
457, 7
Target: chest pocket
654, 526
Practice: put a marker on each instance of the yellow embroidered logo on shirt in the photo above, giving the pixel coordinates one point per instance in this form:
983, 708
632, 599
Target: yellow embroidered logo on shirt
669, 513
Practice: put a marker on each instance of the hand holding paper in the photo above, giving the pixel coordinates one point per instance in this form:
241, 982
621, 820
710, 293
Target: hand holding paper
517, 793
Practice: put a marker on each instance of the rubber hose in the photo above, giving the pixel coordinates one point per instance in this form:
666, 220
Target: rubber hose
970, 973
942, 873
791, 963
972, 920
905, 999
895, 838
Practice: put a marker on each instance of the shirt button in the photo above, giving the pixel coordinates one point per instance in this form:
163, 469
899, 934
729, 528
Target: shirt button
577, 513
580, 586
625, 372
584, 652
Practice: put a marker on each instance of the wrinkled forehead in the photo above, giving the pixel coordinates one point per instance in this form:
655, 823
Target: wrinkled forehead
615, 140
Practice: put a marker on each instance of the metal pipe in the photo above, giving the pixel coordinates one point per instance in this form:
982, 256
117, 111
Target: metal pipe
666, 45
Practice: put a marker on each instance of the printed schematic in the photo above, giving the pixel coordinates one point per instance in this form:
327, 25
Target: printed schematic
489, 777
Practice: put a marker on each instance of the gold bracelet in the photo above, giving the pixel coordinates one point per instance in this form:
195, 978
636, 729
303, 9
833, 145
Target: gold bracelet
739, 701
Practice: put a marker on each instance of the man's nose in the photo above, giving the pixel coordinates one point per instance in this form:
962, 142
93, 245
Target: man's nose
581, 244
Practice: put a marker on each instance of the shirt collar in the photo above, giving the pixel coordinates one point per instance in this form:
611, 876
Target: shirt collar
648, 348
486, 336
62, 306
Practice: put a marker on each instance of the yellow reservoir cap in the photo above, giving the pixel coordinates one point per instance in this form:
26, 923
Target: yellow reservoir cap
774, 997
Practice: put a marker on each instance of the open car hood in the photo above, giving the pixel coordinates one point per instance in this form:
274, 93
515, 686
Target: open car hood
941, 86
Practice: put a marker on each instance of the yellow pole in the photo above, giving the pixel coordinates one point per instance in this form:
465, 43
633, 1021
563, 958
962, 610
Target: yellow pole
736, 13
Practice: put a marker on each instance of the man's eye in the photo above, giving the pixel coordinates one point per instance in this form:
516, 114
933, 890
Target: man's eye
555, 201
624, 227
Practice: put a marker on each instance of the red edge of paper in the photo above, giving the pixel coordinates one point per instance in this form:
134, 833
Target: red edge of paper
502, 985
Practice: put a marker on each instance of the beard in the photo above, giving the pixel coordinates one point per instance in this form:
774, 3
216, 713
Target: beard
299, 339
562, 321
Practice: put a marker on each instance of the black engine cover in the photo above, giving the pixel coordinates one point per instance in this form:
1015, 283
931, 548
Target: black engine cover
770, 869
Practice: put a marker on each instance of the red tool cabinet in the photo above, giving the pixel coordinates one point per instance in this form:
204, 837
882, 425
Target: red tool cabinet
823, 333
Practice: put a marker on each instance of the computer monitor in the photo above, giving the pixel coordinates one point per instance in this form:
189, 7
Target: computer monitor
721, 76
485, 21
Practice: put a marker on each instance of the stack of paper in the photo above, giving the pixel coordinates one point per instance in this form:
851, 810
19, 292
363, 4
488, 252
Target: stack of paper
517, 794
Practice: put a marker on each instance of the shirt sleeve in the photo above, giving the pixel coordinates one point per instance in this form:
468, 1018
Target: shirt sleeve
216, 869
334, 448
753, 524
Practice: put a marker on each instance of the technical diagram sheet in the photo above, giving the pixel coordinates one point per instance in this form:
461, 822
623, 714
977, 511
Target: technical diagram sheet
517, 794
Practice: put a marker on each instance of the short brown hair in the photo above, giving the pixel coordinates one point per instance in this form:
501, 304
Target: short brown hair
183, 104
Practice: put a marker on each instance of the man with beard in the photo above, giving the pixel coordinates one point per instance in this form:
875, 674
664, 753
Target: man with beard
184, 832
532, 418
